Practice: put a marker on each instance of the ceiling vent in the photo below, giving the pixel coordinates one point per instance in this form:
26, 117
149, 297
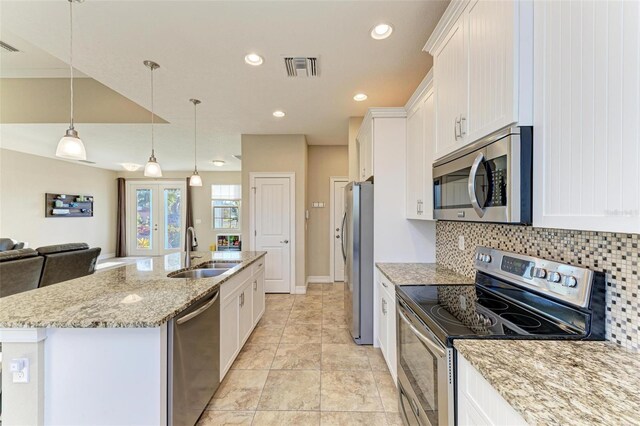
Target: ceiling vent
8, 47
301, 66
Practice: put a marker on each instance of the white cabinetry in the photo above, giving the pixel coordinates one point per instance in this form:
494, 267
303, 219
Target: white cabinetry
482, 52
364, 139
241, 307
420, 147
479, 403
386, 306
587, 116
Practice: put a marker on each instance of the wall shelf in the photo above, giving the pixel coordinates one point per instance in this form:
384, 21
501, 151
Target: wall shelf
68, 205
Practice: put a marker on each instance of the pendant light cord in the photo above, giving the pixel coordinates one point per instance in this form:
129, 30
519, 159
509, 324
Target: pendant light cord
71, 57
152, 114
195, 136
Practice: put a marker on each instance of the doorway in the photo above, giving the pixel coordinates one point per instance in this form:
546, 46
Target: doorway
272, 222
336, 197
156, 217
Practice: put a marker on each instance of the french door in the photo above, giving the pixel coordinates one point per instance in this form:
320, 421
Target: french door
156, 217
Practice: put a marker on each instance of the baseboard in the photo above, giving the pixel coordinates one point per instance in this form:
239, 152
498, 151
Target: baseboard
301, 289
106, 256
319, 279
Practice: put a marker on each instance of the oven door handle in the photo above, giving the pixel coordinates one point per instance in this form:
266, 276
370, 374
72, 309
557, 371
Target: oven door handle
424, 339
472, 184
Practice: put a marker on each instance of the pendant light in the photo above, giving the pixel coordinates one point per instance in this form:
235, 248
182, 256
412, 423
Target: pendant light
195, 179
152, 168
71, 146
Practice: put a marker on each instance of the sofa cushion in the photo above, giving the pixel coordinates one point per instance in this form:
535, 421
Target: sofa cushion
68, 265
8, 255
7, 244
61, 248
20, 274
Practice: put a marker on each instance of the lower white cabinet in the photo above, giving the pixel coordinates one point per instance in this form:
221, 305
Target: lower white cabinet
241, 307
479, 403
386, 313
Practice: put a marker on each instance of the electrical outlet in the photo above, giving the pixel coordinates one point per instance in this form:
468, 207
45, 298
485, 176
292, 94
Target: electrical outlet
19, 368
461, 242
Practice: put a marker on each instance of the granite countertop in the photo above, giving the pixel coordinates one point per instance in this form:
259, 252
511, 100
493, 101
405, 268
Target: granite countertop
561, 382
135, 295
421, 274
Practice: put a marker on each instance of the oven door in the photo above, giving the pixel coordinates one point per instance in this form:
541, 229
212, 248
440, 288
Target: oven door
484, 183
425, 376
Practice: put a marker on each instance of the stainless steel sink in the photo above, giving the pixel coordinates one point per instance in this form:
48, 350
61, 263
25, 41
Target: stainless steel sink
199, 273
215, 264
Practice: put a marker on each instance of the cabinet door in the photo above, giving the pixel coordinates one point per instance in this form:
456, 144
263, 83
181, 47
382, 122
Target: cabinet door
229, 333
493, 77
428, 146
245, 302
390, 355
586, 116
365, 150
450, 81
258, 298
383, 328
415, 163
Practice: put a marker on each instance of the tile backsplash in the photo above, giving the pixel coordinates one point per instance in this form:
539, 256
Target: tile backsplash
615, 254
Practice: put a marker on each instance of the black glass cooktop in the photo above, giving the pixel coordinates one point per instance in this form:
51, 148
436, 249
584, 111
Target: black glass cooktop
474, 311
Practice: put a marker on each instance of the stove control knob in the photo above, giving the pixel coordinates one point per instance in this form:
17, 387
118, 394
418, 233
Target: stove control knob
554, 277
485, 258
539, 273
570, 281
478, 256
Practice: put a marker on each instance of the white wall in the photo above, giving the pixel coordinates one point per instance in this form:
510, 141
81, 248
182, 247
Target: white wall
25, 178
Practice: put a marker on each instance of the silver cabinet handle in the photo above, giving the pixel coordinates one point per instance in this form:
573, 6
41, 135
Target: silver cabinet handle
384, 284
285, 242
384, 306
471, 186
198, 311
255, 285
462, 121
428, 342
457, 124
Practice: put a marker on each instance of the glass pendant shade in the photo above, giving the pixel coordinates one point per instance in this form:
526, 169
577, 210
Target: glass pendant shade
152, 168
195, 179
71, 147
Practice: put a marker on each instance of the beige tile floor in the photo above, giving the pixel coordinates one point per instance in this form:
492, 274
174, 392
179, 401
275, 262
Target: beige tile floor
300, 367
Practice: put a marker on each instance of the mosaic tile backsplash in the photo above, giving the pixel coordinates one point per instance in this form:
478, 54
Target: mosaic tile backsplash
615, 254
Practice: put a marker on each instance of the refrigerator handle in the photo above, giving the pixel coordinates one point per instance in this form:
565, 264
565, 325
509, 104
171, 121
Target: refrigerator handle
344, 222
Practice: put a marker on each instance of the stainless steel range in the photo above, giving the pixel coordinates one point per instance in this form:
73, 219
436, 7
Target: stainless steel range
514, 297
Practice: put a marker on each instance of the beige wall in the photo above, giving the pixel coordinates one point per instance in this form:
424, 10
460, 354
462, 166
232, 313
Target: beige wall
201, 200
25, 178
278, 153
324, 162
354, 126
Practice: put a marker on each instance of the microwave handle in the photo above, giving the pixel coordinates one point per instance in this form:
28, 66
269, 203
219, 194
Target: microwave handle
472, 184
424, 339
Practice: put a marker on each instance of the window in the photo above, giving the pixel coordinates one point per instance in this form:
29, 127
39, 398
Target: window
225, 206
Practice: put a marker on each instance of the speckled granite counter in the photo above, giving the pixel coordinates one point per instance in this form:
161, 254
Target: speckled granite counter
421, 274
561, 383
134, 295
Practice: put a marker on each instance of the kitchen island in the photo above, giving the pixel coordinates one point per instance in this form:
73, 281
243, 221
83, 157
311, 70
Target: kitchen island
98, 348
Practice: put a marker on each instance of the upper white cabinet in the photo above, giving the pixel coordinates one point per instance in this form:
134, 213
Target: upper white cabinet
420, 147
364, 139
483, 68
587, 116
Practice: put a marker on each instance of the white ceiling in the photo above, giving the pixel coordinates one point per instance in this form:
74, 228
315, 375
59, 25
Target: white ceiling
200, 46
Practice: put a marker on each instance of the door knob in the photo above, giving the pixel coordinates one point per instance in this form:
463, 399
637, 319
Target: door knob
338, 236
285, 242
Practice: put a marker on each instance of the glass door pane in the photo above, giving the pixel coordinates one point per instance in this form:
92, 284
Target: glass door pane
172, 206
144, 219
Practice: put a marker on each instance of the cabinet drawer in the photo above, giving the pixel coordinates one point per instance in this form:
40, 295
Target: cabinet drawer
257, 266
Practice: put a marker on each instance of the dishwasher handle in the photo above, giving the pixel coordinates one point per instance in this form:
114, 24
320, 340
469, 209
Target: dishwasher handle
198, 311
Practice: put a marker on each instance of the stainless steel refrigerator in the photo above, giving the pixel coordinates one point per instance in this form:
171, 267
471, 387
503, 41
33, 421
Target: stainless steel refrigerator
357, 250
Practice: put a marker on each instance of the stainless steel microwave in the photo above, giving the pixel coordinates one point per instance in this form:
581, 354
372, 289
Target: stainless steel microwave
487, 181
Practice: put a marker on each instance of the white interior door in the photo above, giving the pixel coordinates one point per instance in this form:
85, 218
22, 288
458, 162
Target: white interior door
338, 214
156, 218
272, 230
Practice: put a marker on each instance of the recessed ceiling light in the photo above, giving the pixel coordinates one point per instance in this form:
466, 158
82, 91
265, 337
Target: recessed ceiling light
360, 97
218, 163
278, 114
132, 167
381, 31
253, 59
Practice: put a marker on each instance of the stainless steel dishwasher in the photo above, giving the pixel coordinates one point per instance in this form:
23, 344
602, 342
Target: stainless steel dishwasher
193, 360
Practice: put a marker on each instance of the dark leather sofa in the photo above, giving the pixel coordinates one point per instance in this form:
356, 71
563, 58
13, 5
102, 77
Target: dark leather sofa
20, 271
10, 244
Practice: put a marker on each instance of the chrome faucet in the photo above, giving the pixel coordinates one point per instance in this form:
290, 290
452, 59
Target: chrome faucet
187, 258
